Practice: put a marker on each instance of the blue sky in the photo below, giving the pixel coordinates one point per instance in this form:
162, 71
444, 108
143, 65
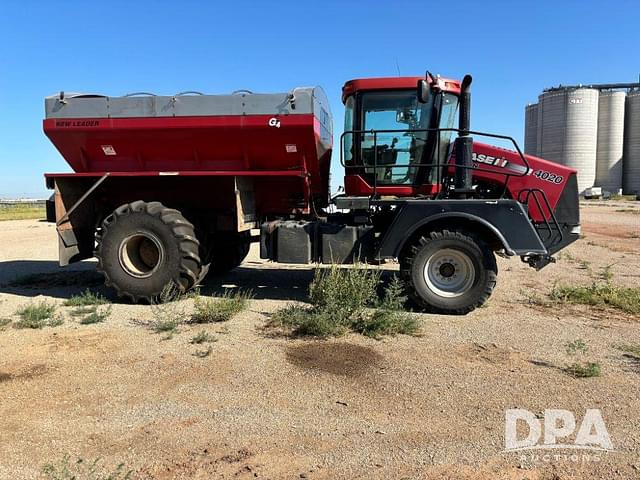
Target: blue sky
513, 50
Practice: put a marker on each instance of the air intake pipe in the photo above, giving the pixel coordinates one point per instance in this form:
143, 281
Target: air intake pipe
464, 143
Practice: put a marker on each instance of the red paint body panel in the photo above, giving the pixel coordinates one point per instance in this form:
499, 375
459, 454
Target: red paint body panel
536, 177
395, 83
233, 145
357, 186
193, 173
184, 143
491, 163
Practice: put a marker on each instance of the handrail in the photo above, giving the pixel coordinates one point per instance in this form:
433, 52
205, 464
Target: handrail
532, 192
438, 164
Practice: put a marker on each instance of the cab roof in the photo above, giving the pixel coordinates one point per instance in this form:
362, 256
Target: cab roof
395, 83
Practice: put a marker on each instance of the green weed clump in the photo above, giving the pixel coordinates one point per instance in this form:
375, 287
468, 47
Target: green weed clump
168, 310
86, 299
626, 299
584, 370
633, 350
345, 292
203, 353
96, 316
581, 369
389, 318
576, 346
81, 469
222, 309
308, 321
202, 337
345, 299
38, 315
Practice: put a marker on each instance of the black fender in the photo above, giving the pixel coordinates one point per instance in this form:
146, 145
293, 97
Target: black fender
504, 220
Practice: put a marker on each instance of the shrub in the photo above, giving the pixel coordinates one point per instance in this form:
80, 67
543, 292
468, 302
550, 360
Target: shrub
626, 299
315, 322
342, 300
346, 292
584, 370
387, 322
38, 315
96, 316
168, 310
210, 310
389, 318
86, 298
577, 346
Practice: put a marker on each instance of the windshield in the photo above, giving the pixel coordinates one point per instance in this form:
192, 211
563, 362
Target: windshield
395, 153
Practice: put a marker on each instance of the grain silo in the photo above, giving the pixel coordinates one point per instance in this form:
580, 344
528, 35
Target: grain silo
631, 167
610, 141
531, 129
568, 134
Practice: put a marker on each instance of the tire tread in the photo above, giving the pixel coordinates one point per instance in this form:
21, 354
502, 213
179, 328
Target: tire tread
182, 230
406, 263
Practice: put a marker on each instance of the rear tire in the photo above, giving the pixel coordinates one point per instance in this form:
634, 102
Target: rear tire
229, 251
449, 272
144, 247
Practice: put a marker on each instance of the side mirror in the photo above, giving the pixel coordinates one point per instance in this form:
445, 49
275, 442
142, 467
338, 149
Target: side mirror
424, 91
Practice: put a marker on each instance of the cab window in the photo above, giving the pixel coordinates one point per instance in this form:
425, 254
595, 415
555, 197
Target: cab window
391, 156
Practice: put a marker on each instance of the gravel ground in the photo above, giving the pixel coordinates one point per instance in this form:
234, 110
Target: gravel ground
265, 406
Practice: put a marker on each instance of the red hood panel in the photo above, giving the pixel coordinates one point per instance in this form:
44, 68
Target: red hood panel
492, 163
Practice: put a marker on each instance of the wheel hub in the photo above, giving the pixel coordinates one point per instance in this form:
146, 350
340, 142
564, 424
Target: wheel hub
140, 254
449, 273
447, 270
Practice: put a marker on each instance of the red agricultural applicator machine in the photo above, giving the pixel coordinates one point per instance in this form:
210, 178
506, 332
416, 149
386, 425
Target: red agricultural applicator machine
167, 188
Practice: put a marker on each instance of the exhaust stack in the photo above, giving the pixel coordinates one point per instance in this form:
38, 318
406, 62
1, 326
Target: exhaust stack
464, 143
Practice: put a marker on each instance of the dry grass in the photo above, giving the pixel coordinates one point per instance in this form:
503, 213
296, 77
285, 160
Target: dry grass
168, 311
203, 353
22, 212
633, 350
626, 198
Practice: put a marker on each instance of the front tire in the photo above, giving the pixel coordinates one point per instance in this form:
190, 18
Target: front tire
449, 272
144, 247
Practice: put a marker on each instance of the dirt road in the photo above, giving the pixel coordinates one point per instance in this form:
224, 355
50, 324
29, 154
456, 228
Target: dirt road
265, 406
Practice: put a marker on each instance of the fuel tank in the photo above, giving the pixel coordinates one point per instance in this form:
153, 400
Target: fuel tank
187, 132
